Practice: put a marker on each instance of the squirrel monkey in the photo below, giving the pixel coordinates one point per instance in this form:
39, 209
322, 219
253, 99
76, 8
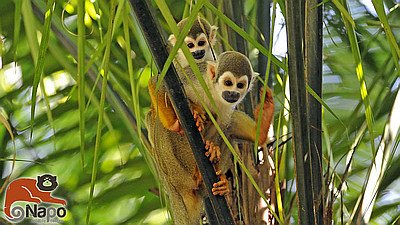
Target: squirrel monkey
200, 39
231, 78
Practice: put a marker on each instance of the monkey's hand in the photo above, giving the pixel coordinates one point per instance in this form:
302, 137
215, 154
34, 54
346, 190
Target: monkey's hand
199, 116
213, 152
221, 187
267, 115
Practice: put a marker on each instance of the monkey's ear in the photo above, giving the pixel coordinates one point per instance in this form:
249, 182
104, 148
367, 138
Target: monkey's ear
172, 39
211, 69
213, 35
253, 80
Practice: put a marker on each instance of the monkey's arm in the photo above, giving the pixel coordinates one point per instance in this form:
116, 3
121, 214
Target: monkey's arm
163, 106
243, 127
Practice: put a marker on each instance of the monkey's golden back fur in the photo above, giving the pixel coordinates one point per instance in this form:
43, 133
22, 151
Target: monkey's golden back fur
176, 166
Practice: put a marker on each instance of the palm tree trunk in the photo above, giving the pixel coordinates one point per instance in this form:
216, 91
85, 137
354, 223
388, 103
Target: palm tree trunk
313, 73
305, 68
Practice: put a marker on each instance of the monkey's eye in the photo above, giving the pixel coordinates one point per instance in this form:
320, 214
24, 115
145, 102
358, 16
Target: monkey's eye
190, 45
201, 43
228, 83
240, 85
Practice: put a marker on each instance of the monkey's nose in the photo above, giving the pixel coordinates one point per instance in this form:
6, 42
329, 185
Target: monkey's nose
199, 54
231, 96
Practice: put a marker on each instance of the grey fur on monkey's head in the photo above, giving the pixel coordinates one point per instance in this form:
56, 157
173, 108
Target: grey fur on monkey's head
235, 62
199, 26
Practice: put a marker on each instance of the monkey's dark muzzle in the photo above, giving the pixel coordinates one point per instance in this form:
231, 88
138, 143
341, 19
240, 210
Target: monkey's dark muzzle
199, 54
231, 96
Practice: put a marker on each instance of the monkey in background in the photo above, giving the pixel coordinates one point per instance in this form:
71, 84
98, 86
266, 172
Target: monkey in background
200, 39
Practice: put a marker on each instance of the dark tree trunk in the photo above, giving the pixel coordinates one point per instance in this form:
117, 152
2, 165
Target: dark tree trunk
313, 73
304, 29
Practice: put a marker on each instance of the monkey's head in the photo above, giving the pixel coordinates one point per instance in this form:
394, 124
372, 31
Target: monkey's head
200, 39
232, 76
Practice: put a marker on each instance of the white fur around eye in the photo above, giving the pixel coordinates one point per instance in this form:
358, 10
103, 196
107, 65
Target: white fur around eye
202, 37
245, 80
189, 40
227, 76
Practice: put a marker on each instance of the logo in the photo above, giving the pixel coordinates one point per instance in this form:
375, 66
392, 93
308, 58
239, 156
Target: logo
37, 191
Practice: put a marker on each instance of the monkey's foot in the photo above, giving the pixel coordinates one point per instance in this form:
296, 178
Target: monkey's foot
200, 119
176, 127
214, 152
199, 116
221, 187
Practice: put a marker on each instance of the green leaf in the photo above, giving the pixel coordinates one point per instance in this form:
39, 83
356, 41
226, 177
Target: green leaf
104, 73
17, 26
81, 78
394, 47
359, 71
343, 10
40, 60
